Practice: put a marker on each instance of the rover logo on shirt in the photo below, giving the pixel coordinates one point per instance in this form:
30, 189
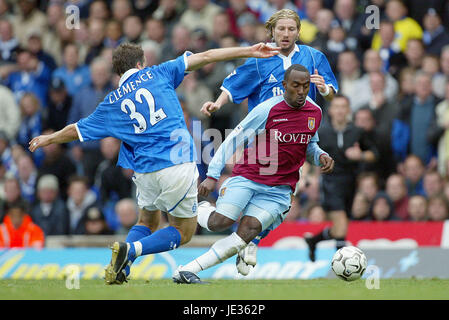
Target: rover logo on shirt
302, 138
311, 123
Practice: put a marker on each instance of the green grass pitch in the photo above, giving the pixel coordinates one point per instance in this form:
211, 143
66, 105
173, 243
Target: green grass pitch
165, 289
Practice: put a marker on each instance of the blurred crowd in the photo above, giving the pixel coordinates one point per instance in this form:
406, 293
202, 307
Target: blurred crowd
55, 67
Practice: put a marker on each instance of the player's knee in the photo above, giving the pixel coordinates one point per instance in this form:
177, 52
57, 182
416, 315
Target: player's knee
218, 222
249, 228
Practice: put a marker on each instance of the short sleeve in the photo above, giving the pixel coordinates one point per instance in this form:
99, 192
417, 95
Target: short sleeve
243, 81
94, 127
175, 70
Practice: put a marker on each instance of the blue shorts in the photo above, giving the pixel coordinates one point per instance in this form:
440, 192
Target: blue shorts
267, 204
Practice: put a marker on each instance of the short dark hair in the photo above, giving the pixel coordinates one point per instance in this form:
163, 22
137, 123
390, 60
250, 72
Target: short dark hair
297, 67
126, 56
340, 95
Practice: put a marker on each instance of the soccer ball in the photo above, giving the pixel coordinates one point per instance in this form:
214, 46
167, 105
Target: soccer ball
349, 263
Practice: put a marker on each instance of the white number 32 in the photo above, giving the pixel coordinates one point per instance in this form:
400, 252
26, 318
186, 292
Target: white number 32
155, 116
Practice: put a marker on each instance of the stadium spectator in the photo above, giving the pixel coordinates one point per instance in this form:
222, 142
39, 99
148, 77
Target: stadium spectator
406, 83
417, 208
441, 80
96, 31
435, 35
51, 41
9, 109
392, 57
28, 75
336, 44
432, 183
11, 189
121, 9
34, 44
413, 170
95, 223
382, 208
132, 29
247, 24
221, 28
9, 45
309, 24
236, 9
6, 155
200, 14
75, 75
27, 175
396, 189
439, 134
18, 230
404, 26
368, 183
98, 9
384, 166
371, 63
265, 9
80, 200
113, 35
169, 12
351, 21
438, 208
348, 66
360, 207
179, 42
31, 120
49, 212
28, 17
56, 162
84, 103
59, 104
126, 211
415, 117
315, 214
324, 18
414, 53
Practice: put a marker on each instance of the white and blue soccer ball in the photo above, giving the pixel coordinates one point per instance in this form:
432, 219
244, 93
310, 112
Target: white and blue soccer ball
349, 263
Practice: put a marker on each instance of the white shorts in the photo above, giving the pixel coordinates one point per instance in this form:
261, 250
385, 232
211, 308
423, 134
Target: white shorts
173, 190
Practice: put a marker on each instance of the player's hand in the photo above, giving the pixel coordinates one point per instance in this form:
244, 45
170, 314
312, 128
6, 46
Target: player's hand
210, 107
39, 142
327, 164
206, 187
319, 82
262, 50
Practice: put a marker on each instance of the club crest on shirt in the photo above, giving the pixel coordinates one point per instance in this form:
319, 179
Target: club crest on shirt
222, 191
311, 123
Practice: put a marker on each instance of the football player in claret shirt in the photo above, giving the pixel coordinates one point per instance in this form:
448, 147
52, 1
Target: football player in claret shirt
281, 132
261, 79
145, 114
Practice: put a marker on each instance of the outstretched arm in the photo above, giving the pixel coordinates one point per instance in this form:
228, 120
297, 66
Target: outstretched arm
260, 50
64, 135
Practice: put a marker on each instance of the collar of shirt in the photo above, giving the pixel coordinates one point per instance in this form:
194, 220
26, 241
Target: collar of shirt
126, 75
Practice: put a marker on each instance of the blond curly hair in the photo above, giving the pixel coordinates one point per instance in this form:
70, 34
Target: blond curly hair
282, 14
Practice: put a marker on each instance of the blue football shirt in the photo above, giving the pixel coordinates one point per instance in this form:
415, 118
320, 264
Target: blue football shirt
145, 114
260, 79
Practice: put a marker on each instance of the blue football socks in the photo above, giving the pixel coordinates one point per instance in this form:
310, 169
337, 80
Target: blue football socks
162, 240
137, 232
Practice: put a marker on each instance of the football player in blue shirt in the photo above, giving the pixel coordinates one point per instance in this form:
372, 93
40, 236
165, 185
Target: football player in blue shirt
259, 80
145, 114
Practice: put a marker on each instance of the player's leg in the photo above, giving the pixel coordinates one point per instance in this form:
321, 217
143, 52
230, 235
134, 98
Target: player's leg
147, 221
220, 251
177, 195
248, 255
